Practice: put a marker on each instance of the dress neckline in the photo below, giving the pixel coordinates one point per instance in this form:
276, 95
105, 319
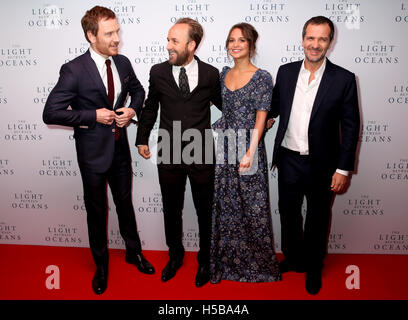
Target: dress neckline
246, 84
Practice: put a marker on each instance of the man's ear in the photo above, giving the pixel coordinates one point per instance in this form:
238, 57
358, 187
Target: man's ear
91, 36
191, 45
330, 44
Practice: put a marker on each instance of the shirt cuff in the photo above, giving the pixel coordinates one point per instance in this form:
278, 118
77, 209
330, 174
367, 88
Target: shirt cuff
135, 117
343, 172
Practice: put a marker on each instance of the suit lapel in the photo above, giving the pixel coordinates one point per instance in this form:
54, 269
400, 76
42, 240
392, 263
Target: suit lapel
90, 66
200, 74
168, 74
122, 74
324, 87
173, 83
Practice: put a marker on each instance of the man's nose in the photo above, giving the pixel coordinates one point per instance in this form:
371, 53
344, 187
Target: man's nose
315, 44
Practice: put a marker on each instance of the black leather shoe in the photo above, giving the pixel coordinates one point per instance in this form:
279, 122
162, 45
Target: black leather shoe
170, 269
100, 280
313, 281
202, 276
286, 266
140, 262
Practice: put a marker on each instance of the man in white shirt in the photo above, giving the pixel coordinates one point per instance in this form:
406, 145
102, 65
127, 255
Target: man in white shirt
315, 147
95, 85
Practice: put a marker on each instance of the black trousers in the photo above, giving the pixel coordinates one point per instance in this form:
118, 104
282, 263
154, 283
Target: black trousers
173, 184
119, 178
297, 179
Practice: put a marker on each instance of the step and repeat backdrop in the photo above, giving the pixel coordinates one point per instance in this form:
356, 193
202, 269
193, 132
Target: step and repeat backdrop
41, 201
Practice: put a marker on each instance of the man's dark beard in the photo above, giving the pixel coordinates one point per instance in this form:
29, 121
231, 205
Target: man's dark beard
182, 58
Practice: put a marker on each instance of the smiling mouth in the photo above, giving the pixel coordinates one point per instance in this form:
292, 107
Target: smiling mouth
315, 53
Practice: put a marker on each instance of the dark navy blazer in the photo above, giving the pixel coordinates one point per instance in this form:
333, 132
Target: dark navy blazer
334, 124
80, 86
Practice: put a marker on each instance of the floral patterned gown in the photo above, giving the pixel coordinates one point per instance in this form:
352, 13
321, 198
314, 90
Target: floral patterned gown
242, 246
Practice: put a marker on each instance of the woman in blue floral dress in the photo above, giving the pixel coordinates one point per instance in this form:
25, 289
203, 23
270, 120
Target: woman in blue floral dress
242, 245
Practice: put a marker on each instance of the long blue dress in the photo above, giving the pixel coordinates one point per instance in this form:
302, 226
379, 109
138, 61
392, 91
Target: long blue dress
242, 245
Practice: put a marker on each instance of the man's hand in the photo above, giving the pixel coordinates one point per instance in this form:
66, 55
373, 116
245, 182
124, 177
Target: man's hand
124, 118
144, 151
269, 123
105, 116
339, 182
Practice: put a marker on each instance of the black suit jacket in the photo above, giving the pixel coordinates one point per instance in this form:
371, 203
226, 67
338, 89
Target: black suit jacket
81, 87
192, 111
334, 122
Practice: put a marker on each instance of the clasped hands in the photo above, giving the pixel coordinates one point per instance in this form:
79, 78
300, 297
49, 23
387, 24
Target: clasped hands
122, 116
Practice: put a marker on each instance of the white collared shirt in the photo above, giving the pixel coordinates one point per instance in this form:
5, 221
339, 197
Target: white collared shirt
191, 71
296, 135
101, 66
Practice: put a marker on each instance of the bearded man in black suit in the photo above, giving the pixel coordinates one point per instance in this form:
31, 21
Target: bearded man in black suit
184, 87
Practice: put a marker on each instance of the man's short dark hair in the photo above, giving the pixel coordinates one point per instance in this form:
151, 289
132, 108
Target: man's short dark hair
196, 31
319, 20
91, 18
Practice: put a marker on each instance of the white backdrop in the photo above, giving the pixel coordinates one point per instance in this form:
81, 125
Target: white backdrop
41, 189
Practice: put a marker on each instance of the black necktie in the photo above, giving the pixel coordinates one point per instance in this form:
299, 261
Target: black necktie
183, 82
111, 92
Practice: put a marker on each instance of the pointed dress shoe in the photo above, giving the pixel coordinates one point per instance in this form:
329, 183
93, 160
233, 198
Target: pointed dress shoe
202, 276
141, 263
170, 269
100, 280
313, 281
286, 266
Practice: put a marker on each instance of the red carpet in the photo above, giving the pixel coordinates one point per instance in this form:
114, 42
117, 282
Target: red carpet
23, 277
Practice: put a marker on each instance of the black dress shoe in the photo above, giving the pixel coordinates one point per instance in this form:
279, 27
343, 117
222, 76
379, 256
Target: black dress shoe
202, 276
170, 269
100, 280
313, 281
286, 266
140, 262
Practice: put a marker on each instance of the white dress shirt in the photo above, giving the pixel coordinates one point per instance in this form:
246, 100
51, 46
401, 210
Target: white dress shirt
296, 135
101, 66
191, 71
